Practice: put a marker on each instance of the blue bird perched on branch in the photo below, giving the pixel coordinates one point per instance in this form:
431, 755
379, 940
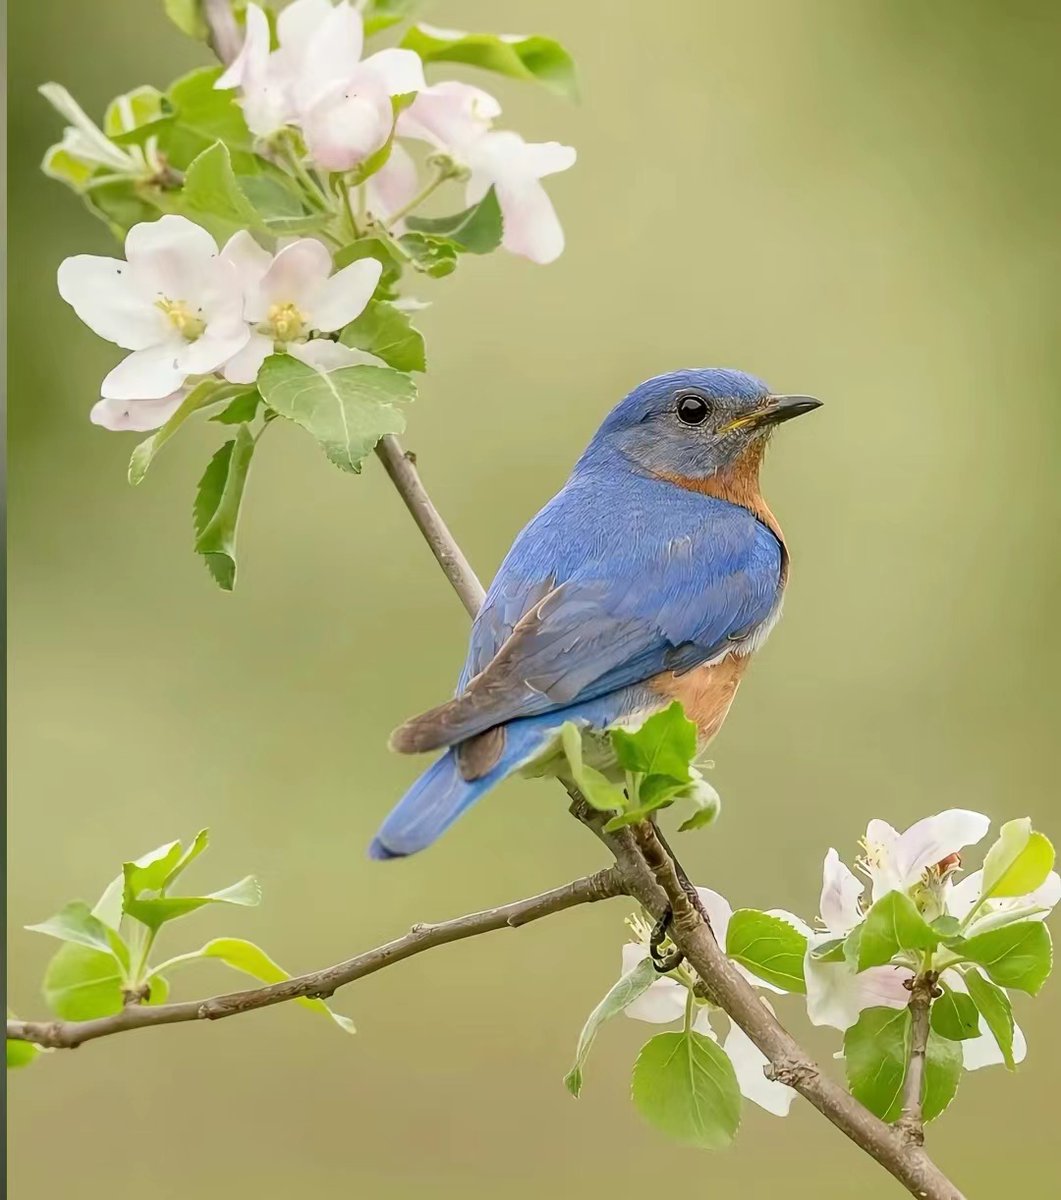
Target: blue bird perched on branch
652, 576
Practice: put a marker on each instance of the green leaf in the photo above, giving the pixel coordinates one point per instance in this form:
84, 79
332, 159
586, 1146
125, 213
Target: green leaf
476, 230
954, 1015
388, 333
831, 951
187, 15
1015, 956
81, 983
706, 802
211, 189
947, 928
75, 922
891, 925
202, 116
242, 409
217, 507
156, 911
382, 14
624, 993
373, 247
121, 205
132, 116
876, 1049
159, 868
664, 745
347, 410
994, 1006
684, 1084
534, 58
278, 206
378, 158
252, 960
144, 454
20, 1054
1018, 863
769, 947
597, 790
59, 163
943, 1070
434, 256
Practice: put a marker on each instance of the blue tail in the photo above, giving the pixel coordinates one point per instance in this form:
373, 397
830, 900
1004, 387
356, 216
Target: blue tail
441, 794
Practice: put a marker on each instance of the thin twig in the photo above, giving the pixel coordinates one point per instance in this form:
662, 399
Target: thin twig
67, 1035
911, 1123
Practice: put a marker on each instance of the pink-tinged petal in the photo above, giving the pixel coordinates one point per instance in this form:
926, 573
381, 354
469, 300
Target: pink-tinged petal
250, 260
664, 1001
933, 839
297, 23
748, 1063
393, 186
211, 351
397, 72
140, 416
101, 292
331, 54
1047, 895
295, 277
718, 911
836, 995
963, 896
346, 125
244, 365
531, 227
548, 158
253, 54
170, 258
841, 889
450, 116
322, 354
145, 374
345, 295
881, 842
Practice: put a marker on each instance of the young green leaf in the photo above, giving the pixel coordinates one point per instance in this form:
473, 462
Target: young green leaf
943, 1070
534, 58
1015, 956
891, 925
876, 1049
217, 507
995, 1008
476, 230
187, 15
706, 802
954, 1015
157, 910
347, 410
664, 745
596, 788
831, 951
242, 409
133, 116
203, 393
20, 1054
684, 1084
203, 116
382, 250
245, 956
1018, 863
622, 994
212, 190
434, 256
121, 205
378, 158
769, 947
388, 333
279, 206
382, 14
81, 983
75, 922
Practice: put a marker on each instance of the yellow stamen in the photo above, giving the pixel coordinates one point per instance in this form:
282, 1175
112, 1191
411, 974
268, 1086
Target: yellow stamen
285, 322
187, 323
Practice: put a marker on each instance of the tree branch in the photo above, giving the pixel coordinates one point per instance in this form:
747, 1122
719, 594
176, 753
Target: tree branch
911, 1123
67, 1035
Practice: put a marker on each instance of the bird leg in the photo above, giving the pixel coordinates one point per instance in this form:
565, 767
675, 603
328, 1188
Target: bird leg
663, 963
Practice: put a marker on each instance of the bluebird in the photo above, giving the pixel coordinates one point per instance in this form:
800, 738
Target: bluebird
652, 576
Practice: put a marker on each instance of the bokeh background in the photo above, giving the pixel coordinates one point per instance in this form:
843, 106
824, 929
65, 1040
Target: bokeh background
857, 200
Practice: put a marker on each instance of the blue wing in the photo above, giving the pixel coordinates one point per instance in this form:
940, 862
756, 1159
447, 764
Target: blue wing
611, 584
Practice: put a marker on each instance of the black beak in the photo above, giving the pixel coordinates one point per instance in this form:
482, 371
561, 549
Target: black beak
784, 408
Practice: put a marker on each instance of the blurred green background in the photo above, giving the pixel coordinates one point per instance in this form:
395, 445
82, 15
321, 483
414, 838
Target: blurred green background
857, 200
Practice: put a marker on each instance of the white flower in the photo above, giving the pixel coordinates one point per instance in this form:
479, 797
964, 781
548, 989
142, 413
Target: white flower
317, 81
175, 303
895, 862
290, 296
665, 999
139, 415
455, 119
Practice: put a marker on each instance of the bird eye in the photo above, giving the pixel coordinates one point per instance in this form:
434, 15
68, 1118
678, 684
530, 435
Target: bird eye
692, 409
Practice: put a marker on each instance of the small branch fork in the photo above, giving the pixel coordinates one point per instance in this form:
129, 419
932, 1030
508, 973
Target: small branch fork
645, 868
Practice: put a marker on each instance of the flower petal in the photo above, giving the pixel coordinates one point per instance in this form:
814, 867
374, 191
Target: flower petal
331, 53
718, 911
664, 1001
325, 355
343, 127
172, 258
138, 415
836, 995
244, 365
531, 227
345, 295
935, 838
253, 54
101, 292
839, 904
296, 24
250, 260
211, 351
396, 71
450, 116
295, 277
392, 186
962, 896
748, 1063
145, 374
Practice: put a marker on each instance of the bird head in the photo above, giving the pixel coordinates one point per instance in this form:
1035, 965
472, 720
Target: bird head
695, 423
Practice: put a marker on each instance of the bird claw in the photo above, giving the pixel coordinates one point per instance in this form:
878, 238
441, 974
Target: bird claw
664, 963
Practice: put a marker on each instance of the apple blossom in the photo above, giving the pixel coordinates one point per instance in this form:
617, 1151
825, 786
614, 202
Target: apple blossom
175, 302
140, 416
317, 81
292, 294
666, 998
